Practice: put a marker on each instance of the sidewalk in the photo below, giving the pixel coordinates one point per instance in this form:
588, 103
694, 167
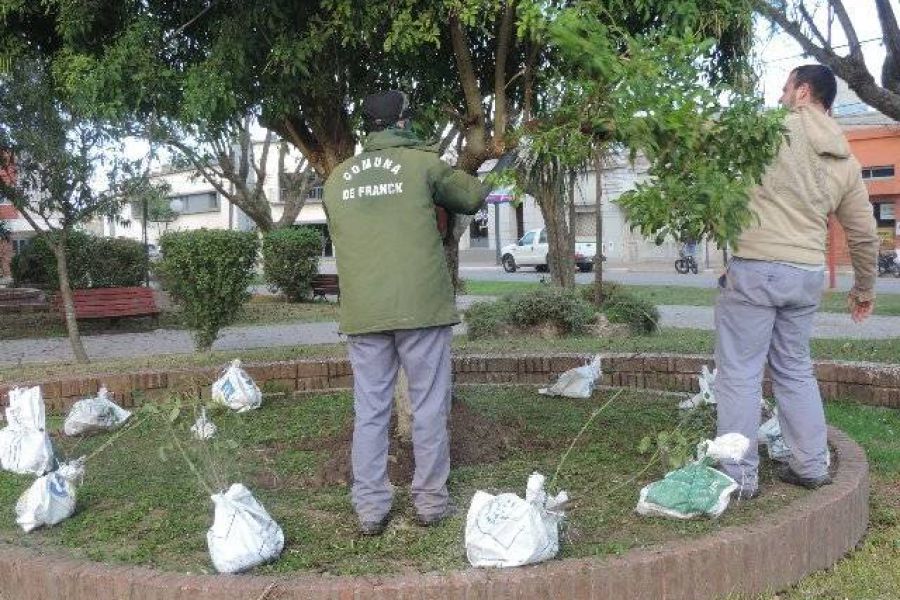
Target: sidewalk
168, 341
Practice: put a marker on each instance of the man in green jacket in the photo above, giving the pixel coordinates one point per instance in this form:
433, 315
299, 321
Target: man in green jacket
397, 301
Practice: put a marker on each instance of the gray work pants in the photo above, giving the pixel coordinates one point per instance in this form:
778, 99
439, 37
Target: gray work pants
425, 356
764, 312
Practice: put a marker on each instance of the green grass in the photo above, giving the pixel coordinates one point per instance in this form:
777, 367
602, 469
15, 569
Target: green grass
141, 504
261, 310
684, 341
886, 304
871, 572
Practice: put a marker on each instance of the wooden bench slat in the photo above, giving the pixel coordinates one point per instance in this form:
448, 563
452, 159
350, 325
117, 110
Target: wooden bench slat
111, 302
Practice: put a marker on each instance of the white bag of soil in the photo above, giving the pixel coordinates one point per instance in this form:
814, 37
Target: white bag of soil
25, 447
507, 531
576, 383
243, 535
236, 390
705, 396
770, 435
93, 415
203, 428
51, 498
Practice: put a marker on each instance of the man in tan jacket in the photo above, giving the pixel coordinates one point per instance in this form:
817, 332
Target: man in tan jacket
773, 285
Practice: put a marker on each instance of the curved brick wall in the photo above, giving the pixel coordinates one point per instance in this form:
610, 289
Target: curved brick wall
809, 535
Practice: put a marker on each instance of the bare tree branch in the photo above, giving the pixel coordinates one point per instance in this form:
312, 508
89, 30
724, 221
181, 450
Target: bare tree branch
852, 39
851, 69
890, 70
812, 26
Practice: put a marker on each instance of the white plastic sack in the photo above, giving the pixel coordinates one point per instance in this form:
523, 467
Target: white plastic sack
94, 415
243, 535
576, 383
203, 428
507, 531
236, 390
25, 447
51, 498
705, 396
770, 435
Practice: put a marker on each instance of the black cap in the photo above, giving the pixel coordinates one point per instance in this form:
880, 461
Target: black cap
385, 108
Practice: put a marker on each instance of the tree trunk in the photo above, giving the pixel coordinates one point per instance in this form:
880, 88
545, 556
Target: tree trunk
598, 255
560, 258
403, 408
65, 292
570, 240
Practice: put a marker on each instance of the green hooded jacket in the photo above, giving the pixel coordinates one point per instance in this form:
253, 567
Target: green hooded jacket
381, 218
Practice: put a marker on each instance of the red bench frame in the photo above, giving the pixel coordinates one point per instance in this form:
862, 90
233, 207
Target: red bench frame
112, 303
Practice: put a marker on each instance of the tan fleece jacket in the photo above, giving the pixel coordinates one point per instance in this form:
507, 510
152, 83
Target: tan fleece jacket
814, 175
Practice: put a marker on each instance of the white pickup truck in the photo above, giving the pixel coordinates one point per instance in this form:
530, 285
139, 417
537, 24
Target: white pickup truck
531, 251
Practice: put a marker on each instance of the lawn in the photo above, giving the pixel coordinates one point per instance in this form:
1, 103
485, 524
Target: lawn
141, 504
886, 304
261, 310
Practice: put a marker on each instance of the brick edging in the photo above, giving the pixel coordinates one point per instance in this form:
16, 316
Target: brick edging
810, 534
868, 383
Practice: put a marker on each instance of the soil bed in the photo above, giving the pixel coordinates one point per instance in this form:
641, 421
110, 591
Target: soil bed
141, 504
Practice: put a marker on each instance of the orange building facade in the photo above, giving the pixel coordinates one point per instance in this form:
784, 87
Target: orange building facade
7, 213
877, 148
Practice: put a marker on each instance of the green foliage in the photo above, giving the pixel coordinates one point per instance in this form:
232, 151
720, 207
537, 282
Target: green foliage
93, 262
291, 259
35, 265
622, 306
677, 446
116, 262
560, 307
706, 137
208, 273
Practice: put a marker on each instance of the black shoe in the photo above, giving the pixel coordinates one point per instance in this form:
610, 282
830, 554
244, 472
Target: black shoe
745, 494
431, 520
374, 527
787, 475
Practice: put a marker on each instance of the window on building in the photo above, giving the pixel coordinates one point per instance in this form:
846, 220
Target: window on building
315, 193
883, 172
884, 213
198, 203
19, 245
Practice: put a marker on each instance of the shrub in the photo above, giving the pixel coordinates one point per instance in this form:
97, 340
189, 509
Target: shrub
291, 259
94, 262
563, 308
208, 273
622, 306
116, 262
487, 319
35, 265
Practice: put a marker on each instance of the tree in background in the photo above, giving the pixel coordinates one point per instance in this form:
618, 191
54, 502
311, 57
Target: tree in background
696, 119
799, 19
56, 154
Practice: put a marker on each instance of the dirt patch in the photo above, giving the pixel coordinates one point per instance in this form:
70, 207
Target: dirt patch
474, 440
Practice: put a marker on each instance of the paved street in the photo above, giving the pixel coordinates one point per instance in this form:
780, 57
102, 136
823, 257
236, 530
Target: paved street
705, 279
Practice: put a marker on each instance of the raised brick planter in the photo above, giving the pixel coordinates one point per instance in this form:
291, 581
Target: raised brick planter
810, 534
868, 383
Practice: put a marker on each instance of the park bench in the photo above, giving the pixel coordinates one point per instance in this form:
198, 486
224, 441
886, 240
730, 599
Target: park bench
324, 284
112, 303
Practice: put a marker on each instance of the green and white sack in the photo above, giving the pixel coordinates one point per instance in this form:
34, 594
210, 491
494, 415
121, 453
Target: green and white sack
696, 489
